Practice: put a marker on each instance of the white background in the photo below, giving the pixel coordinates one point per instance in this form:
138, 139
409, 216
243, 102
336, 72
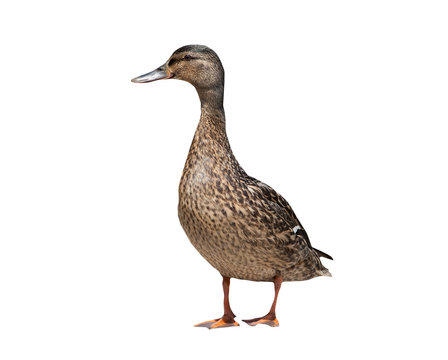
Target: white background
341, 106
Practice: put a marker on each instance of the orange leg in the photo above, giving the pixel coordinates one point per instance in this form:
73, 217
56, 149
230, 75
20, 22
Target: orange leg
228, 319
270, 318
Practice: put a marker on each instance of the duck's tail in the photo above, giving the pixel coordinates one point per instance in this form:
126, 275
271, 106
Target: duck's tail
322, 254
301, 232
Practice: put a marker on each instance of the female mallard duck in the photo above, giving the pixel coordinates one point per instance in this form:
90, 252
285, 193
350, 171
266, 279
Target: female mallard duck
241, 226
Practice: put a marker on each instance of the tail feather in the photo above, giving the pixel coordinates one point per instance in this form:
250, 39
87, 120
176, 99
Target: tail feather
322, 254
301, 232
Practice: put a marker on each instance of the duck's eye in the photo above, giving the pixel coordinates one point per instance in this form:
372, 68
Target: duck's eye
188, 57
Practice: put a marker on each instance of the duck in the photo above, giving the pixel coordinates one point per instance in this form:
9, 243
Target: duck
240, 225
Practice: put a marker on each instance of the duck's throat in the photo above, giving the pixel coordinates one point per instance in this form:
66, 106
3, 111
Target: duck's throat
211, 98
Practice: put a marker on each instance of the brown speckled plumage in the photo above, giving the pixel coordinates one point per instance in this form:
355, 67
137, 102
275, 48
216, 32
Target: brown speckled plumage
241, 226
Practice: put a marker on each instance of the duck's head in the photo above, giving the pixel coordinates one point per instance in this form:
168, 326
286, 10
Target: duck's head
196, 64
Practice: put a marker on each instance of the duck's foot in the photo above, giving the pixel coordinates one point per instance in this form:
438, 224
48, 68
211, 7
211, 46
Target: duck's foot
218, 323
268, 319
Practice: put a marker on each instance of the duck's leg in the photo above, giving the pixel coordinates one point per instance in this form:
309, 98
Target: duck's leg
228, 319
270, 318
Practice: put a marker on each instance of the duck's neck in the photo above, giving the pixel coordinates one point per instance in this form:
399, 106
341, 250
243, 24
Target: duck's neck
210, 152
212, 125
212, 98
211, 129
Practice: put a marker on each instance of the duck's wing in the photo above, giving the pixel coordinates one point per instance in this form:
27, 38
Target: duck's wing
281, 215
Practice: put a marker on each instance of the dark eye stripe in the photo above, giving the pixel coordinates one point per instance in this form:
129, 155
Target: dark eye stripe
186, 57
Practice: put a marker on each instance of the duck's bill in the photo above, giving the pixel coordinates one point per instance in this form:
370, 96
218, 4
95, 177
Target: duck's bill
157, 74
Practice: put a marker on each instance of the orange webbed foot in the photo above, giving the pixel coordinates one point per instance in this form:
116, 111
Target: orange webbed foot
270, 320
217, 323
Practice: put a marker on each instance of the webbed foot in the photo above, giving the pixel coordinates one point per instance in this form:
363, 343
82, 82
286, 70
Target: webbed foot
218, 323
268, 319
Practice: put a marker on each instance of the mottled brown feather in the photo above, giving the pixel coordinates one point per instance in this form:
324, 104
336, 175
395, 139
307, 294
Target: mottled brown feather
240, 225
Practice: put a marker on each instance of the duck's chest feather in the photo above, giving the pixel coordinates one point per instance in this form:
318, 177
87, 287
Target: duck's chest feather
211, 191
210, 182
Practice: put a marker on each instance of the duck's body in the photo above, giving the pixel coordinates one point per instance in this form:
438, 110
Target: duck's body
240, 225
